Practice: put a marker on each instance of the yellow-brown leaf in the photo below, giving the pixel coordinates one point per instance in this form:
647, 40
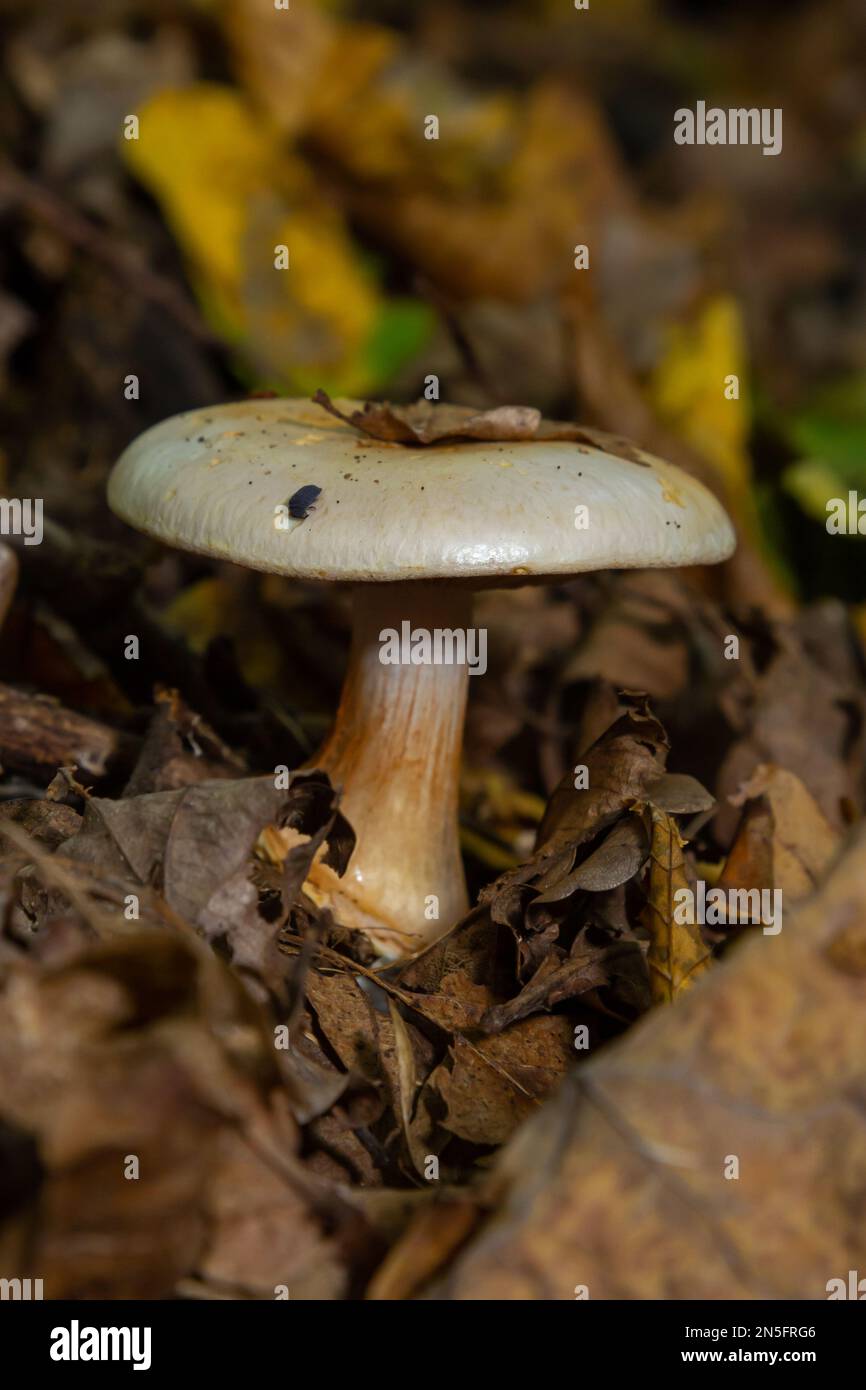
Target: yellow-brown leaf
677, 954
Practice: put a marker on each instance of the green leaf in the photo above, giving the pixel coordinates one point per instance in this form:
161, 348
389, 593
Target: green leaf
830, 436
400, 332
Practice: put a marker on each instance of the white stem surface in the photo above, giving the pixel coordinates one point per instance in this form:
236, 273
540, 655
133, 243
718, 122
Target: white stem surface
395, 750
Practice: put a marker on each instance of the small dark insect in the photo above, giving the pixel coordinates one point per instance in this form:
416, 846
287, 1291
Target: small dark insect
301, 502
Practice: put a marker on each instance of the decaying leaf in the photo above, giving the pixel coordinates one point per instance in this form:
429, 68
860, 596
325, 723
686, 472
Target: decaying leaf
366, 1039
620, 855
784, 841
408, 1084
622, 1182
679, 794
144, 1048
197, 844
261, 1233
532, 169
454, 1006
615, 773
435, 1233
554, 981
639, 639
492, 1085
489, 1084
427, 423
802, 709
621, 765
677, 955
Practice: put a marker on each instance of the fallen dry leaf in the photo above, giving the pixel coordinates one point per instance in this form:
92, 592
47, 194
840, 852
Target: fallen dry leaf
196, 843
553, 982
489, 1084
802, 710
621, 765
426, 423
677, 955
262, 1237
623, 1184
435, 1234
784, 842
143, 1049
365, 1039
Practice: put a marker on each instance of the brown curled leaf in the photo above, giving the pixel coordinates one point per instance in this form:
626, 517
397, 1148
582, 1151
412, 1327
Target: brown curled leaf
426, 423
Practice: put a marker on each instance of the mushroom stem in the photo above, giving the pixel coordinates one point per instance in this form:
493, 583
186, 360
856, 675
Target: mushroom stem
395, 750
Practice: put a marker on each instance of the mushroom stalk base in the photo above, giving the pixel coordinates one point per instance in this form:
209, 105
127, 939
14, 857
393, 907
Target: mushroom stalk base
395, 751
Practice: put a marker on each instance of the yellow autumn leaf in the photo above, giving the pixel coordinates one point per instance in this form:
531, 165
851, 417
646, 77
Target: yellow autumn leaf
204, 155
232, 195
687, 390
677, 955
312, 323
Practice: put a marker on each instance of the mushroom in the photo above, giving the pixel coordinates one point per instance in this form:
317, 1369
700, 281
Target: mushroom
414, 530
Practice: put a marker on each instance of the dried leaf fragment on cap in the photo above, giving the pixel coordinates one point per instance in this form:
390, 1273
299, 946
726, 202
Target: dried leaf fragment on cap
428, 423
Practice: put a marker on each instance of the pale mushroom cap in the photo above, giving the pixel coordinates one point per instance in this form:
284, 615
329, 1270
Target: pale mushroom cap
213, 480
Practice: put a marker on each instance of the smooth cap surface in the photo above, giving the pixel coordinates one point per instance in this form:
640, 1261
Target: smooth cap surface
218, 481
